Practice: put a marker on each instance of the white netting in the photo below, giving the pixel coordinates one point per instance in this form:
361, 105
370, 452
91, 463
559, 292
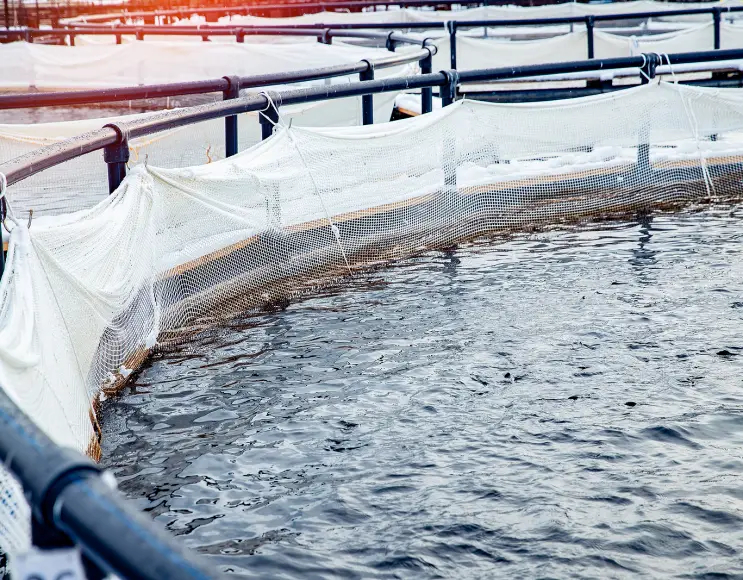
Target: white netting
82, 182
135, 63
88, 294
476, 53
484, 13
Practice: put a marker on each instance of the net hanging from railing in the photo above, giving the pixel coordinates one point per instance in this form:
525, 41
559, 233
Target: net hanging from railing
87, 296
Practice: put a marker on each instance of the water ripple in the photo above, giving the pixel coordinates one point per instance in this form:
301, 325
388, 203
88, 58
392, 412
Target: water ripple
566, 404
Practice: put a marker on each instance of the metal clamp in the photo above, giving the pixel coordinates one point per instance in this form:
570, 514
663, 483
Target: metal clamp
390, 44
325, 37
647, 71
449, 88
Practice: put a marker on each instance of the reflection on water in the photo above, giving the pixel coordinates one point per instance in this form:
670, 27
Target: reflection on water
567, 404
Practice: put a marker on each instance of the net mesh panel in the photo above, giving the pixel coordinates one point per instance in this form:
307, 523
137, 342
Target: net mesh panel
484, 13
86, 296
54, 67
477, 53
81, 183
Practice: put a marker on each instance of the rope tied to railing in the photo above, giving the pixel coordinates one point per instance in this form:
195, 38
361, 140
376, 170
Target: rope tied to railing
694, 126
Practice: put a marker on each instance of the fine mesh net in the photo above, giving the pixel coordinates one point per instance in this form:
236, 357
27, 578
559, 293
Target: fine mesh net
484, 13
81, 183
51, 67
477, 53
86, 296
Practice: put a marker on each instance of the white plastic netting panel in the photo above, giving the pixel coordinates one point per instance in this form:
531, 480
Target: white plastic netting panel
477, 53
87, 295
81, 183
484, 13
27, 65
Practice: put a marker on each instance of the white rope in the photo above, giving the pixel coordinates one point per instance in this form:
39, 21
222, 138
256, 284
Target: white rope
694, 126
333, 227
279, 117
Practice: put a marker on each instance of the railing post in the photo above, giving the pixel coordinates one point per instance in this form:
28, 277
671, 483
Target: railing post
652, 60
452, 26
72, 39
716, 17
268, 119
426, 92
367, 101
139, 35
116, 156
240, 36
230, 122
589, 34
448, 90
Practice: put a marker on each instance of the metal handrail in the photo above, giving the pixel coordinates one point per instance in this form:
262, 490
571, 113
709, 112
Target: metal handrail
29, 164
45, 99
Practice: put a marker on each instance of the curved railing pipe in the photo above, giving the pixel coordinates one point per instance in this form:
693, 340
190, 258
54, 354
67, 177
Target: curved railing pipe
72, 502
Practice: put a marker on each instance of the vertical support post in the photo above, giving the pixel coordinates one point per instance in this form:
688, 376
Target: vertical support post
268, 119
3, 213
716, 17
426, 92
116, 156
448, 89
6, 8
240, 36
139, 35
230, 122
72, 39
589, 34
643, 148
367, 101
452, 26
118, 39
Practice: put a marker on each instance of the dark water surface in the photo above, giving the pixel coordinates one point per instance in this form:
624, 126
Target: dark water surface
566, 404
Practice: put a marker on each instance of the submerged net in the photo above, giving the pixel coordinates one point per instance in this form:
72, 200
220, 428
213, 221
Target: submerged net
86, 296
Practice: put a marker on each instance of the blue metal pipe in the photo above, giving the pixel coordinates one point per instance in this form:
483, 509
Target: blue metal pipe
67, 494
